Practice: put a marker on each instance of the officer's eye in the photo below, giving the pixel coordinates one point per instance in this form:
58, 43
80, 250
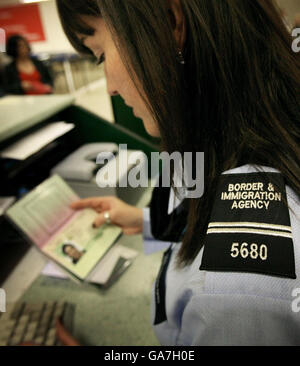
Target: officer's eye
100, 60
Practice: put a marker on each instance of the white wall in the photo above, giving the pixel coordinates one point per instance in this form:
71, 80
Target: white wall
56, 41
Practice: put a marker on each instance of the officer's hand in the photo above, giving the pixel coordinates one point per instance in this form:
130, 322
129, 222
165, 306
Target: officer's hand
129, 218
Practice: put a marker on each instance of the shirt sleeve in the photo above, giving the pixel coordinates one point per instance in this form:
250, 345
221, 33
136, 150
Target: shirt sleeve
238, 320
147, 224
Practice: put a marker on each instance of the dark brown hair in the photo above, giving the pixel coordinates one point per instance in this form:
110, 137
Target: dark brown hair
12, 45
237, 97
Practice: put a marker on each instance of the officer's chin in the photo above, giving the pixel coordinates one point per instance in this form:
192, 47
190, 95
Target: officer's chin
151, 127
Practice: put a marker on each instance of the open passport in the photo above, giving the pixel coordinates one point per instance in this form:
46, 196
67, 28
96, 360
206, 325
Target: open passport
62, 234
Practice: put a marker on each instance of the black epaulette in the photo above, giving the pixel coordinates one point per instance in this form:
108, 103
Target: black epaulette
250, 228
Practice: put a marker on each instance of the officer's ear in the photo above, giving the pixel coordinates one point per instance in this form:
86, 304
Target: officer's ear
178, 22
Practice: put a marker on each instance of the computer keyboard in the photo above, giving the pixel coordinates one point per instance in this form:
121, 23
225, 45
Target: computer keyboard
25, 322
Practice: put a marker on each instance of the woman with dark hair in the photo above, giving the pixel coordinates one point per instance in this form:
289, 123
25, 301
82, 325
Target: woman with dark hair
218, 77
25, 74
72, 252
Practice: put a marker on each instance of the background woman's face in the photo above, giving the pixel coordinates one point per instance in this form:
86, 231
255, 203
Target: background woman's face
73, 252
118, 79
23, 49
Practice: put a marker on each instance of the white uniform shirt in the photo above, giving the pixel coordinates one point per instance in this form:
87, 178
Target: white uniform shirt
218, 308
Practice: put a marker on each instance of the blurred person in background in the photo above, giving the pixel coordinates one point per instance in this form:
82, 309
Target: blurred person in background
25, 74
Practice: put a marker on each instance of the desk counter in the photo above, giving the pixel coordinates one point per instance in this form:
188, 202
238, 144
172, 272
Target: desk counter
18, 113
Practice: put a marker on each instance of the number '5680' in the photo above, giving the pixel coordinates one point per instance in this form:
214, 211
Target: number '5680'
246, 250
